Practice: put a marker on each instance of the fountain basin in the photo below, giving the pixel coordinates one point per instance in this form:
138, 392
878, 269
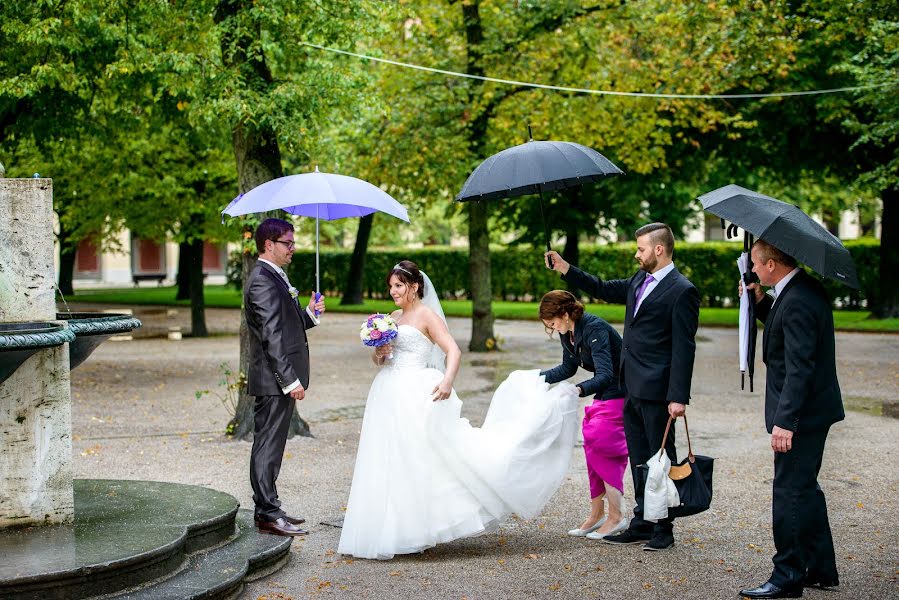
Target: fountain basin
18, 341
92, 329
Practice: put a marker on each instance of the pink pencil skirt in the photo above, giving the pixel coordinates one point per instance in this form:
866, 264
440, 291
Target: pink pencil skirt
605, 446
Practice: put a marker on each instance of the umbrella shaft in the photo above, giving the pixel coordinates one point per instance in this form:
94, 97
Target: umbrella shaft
543, 217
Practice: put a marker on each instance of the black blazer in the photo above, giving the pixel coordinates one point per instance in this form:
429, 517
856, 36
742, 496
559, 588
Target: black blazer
596, 348
659, 343
279, 351
801, 388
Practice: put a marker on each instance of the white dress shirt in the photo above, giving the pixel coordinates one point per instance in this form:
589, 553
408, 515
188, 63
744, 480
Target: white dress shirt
780, 285
657, 277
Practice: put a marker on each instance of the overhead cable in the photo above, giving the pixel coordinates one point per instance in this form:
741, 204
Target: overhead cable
560, 88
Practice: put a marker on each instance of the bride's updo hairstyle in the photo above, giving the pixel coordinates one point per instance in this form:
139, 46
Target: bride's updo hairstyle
559, 302
409, 273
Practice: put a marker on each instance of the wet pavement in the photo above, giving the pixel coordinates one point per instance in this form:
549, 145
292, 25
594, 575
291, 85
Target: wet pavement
140, 412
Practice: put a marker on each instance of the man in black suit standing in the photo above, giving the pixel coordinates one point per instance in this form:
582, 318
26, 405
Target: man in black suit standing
802, 401
658, 347
279, 367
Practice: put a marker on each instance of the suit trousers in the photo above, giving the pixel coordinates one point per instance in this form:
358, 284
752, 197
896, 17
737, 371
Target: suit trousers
272, 416
802, 535
644, 426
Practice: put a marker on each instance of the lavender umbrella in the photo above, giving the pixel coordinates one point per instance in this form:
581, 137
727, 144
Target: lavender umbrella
321, 195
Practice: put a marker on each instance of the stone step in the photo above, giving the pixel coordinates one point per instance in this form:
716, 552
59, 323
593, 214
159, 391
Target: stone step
220, 572
126, 533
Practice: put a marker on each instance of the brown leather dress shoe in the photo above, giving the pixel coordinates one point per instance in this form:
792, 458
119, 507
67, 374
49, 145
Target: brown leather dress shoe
288, 518
280, 527
294, 520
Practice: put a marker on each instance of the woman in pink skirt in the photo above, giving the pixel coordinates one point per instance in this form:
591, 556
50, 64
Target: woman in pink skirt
591, 343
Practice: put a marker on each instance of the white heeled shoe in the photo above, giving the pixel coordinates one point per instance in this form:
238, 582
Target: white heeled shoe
621, 526
589, 530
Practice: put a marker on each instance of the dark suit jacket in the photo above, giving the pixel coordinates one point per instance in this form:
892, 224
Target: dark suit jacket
596, 348
801, 388
279, 351
659, 343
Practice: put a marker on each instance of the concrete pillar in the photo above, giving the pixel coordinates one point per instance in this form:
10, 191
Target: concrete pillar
35, 402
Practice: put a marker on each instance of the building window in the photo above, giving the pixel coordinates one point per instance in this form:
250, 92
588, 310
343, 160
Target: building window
214, 259
87, 260
147, 260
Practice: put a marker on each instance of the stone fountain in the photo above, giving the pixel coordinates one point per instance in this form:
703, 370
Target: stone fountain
62, 537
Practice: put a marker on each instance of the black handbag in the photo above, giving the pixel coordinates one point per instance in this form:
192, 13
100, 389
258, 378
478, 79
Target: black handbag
692, 477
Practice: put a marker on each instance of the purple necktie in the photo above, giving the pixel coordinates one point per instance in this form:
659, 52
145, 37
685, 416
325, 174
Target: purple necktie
649, 279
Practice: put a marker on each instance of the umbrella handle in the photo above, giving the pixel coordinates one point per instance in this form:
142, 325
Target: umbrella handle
317, 298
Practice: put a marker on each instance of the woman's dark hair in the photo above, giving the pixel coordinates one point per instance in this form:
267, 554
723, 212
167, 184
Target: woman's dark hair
409, 273
559, 302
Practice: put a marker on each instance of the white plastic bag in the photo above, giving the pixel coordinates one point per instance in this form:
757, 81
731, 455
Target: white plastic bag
660, 493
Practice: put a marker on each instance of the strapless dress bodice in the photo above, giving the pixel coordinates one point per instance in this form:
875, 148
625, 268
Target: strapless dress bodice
411, 349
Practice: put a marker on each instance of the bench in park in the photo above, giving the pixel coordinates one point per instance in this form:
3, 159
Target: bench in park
138, 277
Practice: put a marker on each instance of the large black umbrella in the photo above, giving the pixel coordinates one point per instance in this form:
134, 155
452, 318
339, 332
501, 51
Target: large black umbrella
785, 227
533, 167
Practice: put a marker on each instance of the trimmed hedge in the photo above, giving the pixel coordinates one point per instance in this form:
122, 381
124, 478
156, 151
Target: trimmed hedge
519, 274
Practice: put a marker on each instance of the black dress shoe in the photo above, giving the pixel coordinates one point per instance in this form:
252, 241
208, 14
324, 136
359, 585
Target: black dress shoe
769, 590
628, 536
280, 527
820, 581
659, 541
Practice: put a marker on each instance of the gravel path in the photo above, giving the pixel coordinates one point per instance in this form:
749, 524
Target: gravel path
136, 415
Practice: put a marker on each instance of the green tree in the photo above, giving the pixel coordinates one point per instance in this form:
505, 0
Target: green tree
433, 130
876, 127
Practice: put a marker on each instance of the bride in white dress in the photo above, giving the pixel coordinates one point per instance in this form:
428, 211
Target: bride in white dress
425, 476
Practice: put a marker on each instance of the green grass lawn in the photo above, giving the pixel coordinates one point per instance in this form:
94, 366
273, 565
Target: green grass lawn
218, 296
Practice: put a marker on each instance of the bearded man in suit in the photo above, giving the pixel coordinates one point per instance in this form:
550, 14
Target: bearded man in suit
802, 401
279, 367
657, 352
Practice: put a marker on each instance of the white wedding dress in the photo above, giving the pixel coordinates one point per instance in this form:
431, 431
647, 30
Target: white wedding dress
425, 476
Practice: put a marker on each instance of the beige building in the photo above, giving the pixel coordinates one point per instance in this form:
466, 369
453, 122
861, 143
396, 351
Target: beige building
141, 261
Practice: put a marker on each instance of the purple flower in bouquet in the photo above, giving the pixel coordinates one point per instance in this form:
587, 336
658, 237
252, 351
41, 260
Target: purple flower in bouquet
378, 330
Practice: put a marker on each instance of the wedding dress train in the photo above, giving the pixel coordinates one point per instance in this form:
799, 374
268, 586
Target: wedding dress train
425, 476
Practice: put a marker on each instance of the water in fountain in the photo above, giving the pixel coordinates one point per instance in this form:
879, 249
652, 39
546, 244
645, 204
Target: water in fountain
58, 291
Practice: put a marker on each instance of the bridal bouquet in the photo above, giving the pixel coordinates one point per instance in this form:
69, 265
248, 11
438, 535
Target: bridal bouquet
378, 330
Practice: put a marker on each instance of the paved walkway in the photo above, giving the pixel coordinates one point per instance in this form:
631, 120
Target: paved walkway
136, 415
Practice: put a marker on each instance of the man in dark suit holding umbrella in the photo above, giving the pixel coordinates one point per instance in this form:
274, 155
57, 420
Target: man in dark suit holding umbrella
279, 367
658, 348
802, 401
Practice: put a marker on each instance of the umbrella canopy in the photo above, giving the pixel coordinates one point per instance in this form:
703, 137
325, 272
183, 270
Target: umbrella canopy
786, 227
533, 167
321, 195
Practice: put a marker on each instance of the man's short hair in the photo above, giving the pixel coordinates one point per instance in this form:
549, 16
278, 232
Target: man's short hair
659, 233
768, 251
270, 229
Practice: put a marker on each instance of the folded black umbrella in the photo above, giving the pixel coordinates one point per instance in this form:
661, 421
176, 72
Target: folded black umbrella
785, 227
534, 167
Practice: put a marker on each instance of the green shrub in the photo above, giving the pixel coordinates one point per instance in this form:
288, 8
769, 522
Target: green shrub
518, 273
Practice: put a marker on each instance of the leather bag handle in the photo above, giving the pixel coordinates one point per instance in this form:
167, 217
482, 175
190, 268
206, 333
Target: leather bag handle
671, 419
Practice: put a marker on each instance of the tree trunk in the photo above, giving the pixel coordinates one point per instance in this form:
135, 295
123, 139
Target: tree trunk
353, 291
831, 220
67, 250
482, 338
197, 300
887, 304
258, 157
182, 278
